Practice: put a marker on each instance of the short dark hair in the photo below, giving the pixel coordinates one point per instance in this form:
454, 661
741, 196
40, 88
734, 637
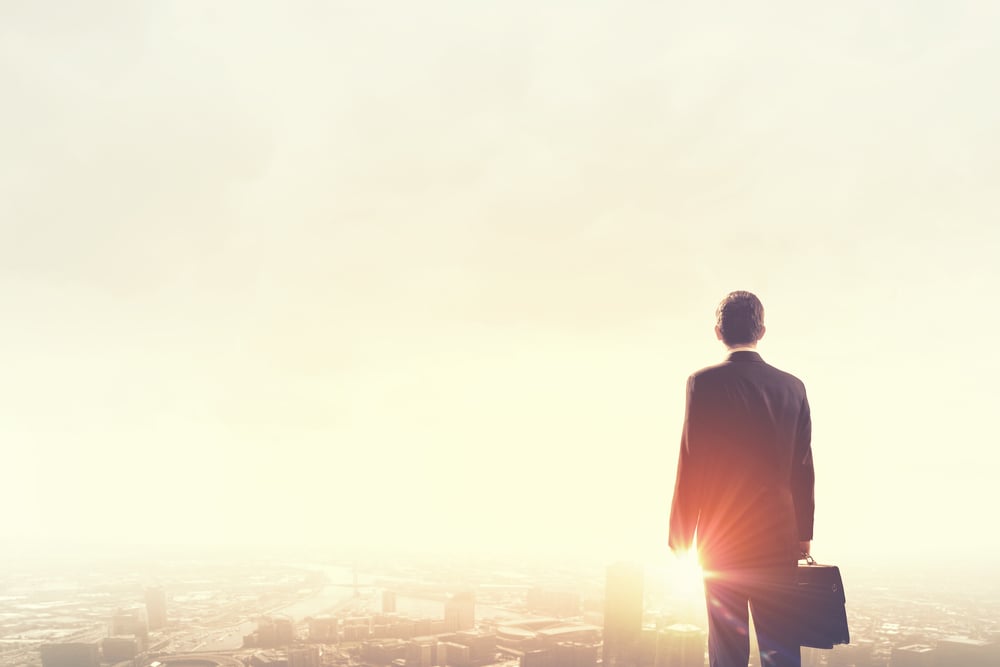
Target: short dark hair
740, 317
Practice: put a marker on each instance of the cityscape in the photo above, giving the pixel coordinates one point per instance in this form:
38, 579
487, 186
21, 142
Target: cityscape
361, 334
432, 613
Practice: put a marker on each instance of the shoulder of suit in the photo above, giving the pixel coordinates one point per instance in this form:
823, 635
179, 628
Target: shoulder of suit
789, 378
727, 368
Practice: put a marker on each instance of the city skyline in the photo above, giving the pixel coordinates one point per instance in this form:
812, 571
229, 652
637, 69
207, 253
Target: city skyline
241, 611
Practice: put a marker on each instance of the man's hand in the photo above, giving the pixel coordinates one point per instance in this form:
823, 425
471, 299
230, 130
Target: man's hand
804, 546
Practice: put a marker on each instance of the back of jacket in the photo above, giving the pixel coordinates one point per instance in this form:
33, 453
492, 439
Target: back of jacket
745, 473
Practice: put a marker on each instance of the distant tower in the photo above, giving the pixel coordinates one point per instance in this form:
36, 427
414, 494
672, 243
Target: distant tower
460, 611
622, 614
130, 621
156, 608
388, 602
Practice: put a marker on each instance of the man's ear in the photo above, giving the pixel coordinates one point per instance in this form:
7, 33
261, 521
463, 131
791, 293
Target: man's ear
763, 330
718, 332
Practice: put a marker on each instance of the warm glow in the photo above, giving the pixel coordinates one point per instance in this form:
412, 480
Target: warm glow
689, 576
433, 275
680, 576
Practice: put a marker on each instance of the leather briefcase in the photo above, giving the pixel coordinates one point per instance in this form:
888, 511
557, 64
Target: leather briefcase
821, 615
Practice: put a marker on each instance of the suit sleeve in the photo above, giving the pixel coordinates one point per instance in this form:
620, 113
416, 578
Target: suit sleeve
686, 506
802, 474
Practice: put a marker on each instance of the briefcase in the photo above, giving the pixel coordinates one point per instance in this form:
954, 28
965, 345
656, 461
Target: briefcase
819, 605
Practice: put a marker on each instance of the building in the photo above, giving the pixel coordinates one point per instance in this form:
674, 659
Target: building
482, 646
125, 622
967, 652
452, 654
357, 628
323, 629
156, 608
576, 654
71, 654
681, 645
388, 602
272, 632
304, 656
515, 640
460, 611
120, 649
421, 652
623, 604
577, 633
538, 658
383, 651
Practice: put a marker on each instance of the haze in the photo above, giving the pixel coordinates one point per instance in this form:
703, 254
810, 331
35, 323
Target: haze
434, 274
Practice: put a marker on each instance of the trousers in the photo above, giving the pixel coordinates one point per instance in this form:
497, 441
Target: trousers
730, 597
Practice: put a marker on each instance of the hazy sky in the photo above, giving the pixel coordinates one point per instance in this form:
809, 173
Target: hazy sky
434, 274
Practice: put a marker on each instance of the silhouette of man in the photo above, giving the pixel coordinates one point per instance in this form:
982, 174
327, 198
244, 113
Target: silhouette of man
745, 487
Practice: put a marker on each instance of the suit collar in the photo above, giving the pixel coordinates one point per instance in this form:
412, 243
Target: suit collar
744, 355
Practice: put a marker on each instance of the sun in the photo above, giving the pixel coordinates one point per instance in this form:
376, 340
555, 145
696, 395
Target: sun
681, 577
687, 575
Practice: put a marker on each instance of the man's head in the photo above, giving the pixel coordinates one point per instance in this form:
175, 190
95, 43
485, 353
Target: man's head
739, 320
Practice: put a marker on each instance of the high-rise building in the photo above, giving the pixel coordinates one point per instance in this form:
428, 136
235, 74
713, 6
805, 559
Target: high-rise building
388, 602
460, 611
622, 614
70, 654
156, 608
129, 622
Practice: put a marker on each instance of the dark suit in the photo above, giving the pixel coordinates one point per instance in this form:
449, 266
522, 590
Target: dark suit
745, 485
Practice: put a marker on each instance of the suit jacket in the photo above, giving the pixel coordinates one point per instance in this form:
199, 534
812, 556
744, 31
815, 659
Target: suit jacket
745, 475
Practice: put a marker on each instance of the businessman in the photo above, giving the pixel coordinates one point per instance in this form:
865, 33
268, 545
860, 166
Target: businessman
744, 490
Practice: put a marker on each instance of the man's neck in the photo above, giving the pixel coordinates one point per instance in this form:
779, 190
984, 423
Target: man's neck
741, 348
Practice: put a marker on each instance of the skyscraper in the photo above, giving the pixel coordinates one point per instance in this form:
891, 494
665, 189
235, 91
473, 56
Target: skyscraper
460, 611
156, 608
622, 614
129, 622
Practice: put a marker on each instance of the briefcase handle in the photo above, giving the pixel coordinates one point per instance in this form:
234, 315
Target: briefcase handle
807, 558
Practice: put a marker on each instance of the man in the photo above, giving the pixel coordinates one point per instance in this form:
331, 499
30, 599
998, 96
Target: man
745, 487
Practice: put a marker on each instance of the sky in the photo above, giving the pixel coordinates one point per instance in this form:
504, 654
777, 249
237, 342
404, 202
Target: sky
433, 275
